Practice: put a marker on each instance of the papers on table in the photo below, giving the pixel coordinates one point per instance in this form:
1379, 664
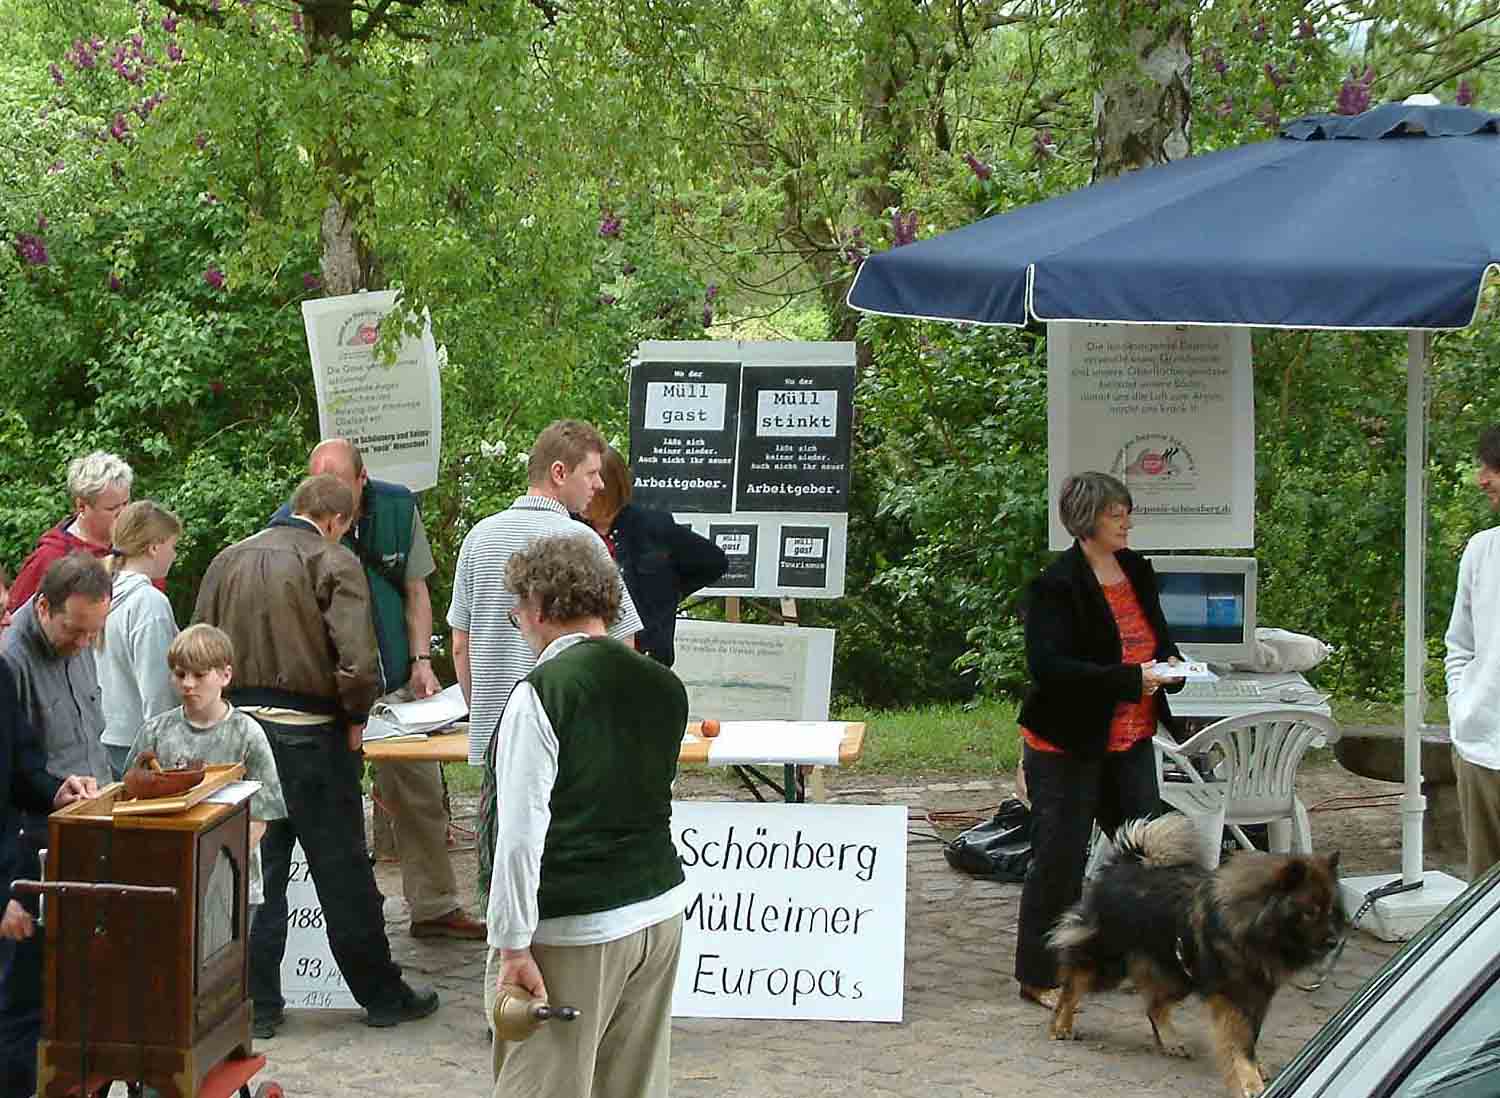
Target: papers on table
807, 743
416, 719
233, 793
1187, 670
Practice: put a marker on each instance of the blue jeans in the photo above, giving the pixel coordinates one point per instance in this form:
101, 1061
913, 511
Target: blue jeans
320, 779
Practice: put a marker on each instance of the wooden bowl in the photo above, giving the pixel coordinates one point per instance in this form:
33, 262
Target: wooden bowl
146, 785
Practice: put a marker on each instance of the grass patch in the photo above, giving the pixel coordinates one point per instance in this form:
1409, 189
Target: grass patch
463, 778
1350, 711
975, 738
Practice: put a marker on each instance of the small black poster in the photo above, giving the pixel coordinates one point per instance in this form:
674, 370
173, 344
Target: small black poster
738, 543
683, 420
803, 558
794, 438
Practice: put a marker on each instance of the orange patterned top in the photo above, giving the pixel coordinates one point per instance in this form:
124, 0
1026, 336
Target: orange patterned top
1135, 720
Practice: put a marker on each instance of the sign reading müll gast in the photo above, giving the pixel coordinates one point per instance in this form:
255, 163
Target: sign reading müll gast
797, 911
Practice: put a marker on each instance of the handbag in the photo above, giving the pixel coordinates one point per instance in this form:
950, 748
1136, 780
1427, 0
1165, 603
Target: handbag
998, 849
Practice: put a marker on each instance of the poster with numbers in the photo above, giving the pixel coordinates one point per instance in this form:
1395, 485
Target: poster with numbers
749, 444
310, 979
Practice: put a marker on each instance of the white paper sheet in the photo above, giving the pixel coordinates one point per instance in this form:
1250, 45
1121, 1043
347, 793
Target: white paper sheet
427, 715
808, 743
1188, 670
233, 793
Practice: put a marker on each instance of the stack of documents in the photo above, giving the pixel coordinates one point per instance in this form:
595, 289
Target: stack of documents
416, 719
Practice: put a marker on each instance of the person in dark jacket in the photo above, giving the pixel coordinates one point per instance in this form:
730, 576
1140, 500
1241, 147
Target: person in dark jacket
30, 793
662, 562
1094, 630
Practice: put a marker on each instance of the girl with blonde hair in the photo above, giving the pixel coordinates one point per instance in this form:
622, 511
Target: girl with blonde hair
135, 681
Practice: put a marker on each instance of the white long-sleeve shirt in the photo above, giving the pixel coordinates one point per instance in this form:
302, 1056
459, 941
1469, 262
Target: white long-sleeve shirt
1472, 664
525, 772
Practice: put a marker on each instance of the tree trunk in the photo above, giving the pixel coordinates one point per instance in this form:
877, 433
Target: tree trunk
348, 263
1142, 106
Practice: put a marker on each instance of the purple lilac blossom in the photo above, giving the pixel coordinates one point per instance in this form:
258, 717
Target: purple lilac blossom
981, 170
1465, 94
32, 249
609, 226
214, 277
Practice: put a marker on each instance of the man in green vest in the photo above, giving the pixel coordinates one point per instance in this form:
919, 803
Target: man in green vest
588, 892
388, 537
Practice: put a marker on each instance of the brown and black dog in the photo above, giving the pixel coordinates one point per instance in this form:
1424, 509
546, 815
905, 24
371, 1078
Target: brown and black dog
1232, 936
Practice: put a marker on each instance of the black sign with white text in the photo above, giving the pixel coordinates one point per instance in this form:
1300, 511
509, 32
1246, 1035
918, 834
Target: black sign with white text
683, 420
794, 438
738, 543
803, 560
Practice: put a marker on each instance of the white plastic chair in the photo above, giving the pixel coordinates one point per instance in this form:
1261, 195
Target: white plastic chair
1253, 760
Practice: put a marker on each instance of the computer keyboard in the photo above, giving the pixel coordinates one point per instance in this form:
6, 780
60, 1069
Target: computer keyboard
1233, 690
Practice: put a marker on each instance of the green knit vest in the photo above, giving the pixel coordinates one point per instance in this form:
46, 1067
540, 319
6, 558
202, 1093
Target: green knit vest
619, 719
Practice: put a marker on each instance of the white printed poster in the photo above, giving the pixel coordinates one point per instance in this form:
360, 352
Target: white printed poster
310, 978
795, 911
738, 672
392, 411
1170, 410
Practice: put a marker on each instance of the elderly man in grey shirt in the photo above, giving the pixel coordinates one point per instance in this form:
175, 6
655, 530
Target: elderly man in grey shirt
49, 649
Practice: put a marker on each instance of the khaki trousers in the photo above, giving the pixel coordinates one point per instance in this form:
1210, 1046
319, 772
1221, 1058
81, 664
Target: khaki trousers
1479, 811
413, 794
621, 1044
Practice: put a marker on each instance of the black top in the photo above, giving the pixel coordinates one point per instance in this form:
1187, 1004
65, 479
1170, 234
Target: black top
662, 563
1073, 651
27, 787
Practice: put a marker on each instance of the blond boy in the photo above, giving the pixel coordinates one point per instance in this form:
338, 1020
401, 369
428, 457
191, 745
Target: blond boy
207, 727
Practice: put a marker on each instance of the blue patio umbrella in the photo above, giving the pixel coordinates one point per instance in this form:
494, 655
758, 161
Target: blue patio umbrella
1385, 220
1388, 219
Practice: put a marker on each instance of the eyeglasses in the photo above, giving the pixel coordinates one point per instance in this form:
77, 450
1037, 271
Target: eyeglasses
515, 622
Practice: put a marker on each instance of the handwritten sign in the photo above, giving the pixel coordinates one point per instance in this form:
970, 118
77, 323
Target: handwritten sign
797, 911
310, 978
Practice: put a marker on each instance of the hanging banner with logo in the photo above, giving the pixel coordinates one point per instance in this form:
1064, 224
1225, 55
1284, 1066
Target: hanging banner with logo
392, 411
748, 444
1169, 410
796, 911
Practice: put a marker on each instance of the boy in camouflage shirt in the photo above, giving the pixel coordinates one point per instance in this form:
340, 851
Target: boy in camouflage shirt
207, 727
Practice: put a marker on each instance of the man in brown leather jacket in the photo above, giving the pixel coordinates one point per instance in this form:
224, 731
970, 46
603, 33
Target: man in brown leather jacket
289, 597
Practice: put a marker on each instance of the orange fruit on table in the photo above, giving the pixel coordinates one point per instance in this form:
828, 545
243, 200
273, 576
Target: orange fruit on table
709, 728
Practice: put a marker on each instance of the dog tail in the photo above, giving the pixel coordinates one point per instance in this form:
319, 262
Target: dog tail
1170, 840
1072, 932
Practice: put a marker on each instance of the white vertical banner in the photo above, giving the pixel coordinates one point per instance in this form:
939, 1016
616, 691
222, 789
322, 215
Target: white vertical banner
1170, 410
796, 911
392, 411
310, 978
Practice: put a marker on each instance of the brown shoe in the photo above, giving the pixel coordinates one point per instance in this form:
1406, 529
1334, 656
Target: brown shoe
455, 924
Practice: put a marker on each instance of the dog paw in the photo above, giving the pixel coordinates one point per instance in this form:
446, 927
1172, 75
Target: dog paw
1177, 1049
1062, 1033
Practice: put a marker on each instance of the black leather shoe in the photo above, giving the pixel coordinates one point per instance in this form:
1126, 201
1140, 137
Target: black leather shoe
413, 1003
264, 1025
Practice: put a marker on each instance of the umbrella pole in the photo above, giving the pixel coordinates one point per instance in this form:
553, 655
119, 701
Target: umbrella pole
1413, 804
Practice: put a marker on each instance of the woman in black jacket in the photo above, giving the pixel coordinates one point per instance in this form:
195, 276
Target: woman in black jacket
1094, 628
662, 562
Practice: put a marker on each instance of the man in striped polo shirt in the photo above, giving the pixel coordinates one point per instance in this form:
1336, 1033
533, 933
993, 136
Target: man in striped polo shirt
489, 653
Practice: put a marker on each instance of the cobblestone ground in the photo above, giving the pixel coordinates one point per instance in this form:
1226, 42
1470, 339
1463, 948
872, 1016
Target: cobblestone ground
965, 1033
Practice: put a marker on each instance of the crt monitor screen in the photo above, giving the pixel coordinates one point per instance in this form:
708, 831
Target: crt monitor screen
1209, 604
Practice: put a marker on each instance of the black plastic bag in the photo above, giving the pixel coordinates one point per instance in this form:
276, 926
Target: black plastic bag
998, 849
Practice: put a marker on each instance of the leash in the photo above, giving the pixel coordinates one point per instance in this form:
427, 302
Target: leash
1390, 888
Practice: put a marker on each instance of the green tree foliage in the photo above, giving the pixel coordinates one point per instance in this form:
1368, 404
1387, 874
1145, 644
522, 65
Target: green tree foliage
552, 183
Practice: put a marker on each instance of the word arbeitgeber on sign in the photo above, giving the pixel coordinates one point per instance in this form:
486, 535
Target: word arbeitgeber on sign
749, 445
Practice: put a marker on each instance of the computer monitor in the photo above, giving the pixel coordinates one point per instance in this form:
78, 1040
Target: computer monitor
1209, 603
